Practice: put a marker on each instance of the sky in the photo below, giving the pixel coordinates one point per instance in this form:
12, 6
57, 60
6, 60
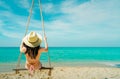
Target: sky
68, 23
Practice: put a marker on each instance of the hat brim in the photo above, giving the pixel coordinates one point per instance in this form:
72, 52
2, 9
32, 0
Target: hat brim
30, 44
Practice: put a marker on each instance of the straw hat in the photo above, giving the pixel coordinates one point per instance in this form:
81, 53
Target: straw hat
32, 39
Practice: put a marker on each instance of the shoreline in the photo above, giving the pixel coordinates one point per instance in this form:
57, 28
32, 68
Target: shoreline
7, 67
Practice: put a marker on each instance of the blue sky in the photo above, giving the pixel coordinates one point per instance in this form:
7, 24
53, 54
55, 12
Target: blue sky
73, 23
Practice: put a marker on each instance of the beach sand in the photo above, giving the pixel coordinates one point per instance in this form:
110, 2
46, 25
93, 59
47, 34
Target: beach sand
67, 73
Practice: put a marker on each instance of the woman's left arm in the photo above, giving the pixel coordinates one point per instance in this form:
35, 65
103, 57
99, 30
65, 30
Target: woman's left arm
22, 48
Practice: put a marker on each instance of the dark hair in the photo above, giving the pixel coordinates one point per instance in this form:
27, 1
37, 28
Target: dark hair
31, 51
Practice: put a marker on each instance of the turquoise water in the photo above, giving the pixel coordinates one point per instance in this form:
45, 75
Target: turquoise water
66, 54
62, 54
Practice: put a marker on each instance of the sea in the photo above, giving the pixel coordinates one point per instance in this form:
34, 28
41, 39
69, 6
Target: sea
64, 56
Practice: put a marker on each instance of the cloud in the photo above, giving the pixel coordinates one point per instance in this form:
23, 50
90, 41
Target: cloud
23, 4
1, 23
11, 34
91, 23
86, 13
88, 21
15, 25
49, 7
10, 26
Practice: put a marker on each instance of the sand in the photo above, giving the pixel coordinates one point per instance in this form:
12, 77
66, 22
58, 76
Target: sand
67, 73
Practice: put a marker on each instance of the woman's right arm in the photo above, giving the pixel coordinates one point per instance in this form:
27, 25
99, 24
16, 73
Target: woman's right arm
45, 49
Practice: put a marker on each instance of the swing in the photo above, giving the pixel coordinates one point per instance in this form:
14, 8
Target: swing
17, 69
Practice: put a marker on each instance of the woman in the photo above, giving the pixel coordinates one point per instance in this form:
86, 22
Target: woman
31, 47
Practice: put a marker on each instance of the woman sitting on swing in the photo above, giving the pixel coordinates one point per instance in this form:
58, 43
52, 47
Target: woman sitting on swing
31, 47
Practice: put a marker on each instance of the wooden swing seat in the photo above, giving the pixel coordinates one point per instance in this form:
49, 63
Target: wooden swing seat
43, 68
21, 69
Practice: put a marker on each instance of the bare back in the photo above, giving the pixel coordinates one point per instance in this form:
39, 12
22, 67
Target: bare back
35, 62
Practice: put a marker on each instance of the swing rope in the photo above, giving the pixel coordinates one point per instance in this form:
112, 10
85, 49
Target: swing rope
27, 25
43, 27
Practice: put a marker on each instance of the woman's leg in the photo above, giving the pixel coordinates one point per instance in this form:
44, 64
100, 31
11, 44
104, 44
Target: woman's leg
32, 68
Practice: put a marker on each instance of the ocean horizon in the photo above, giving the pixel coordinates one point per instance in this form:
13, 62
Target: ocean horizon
66, 56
